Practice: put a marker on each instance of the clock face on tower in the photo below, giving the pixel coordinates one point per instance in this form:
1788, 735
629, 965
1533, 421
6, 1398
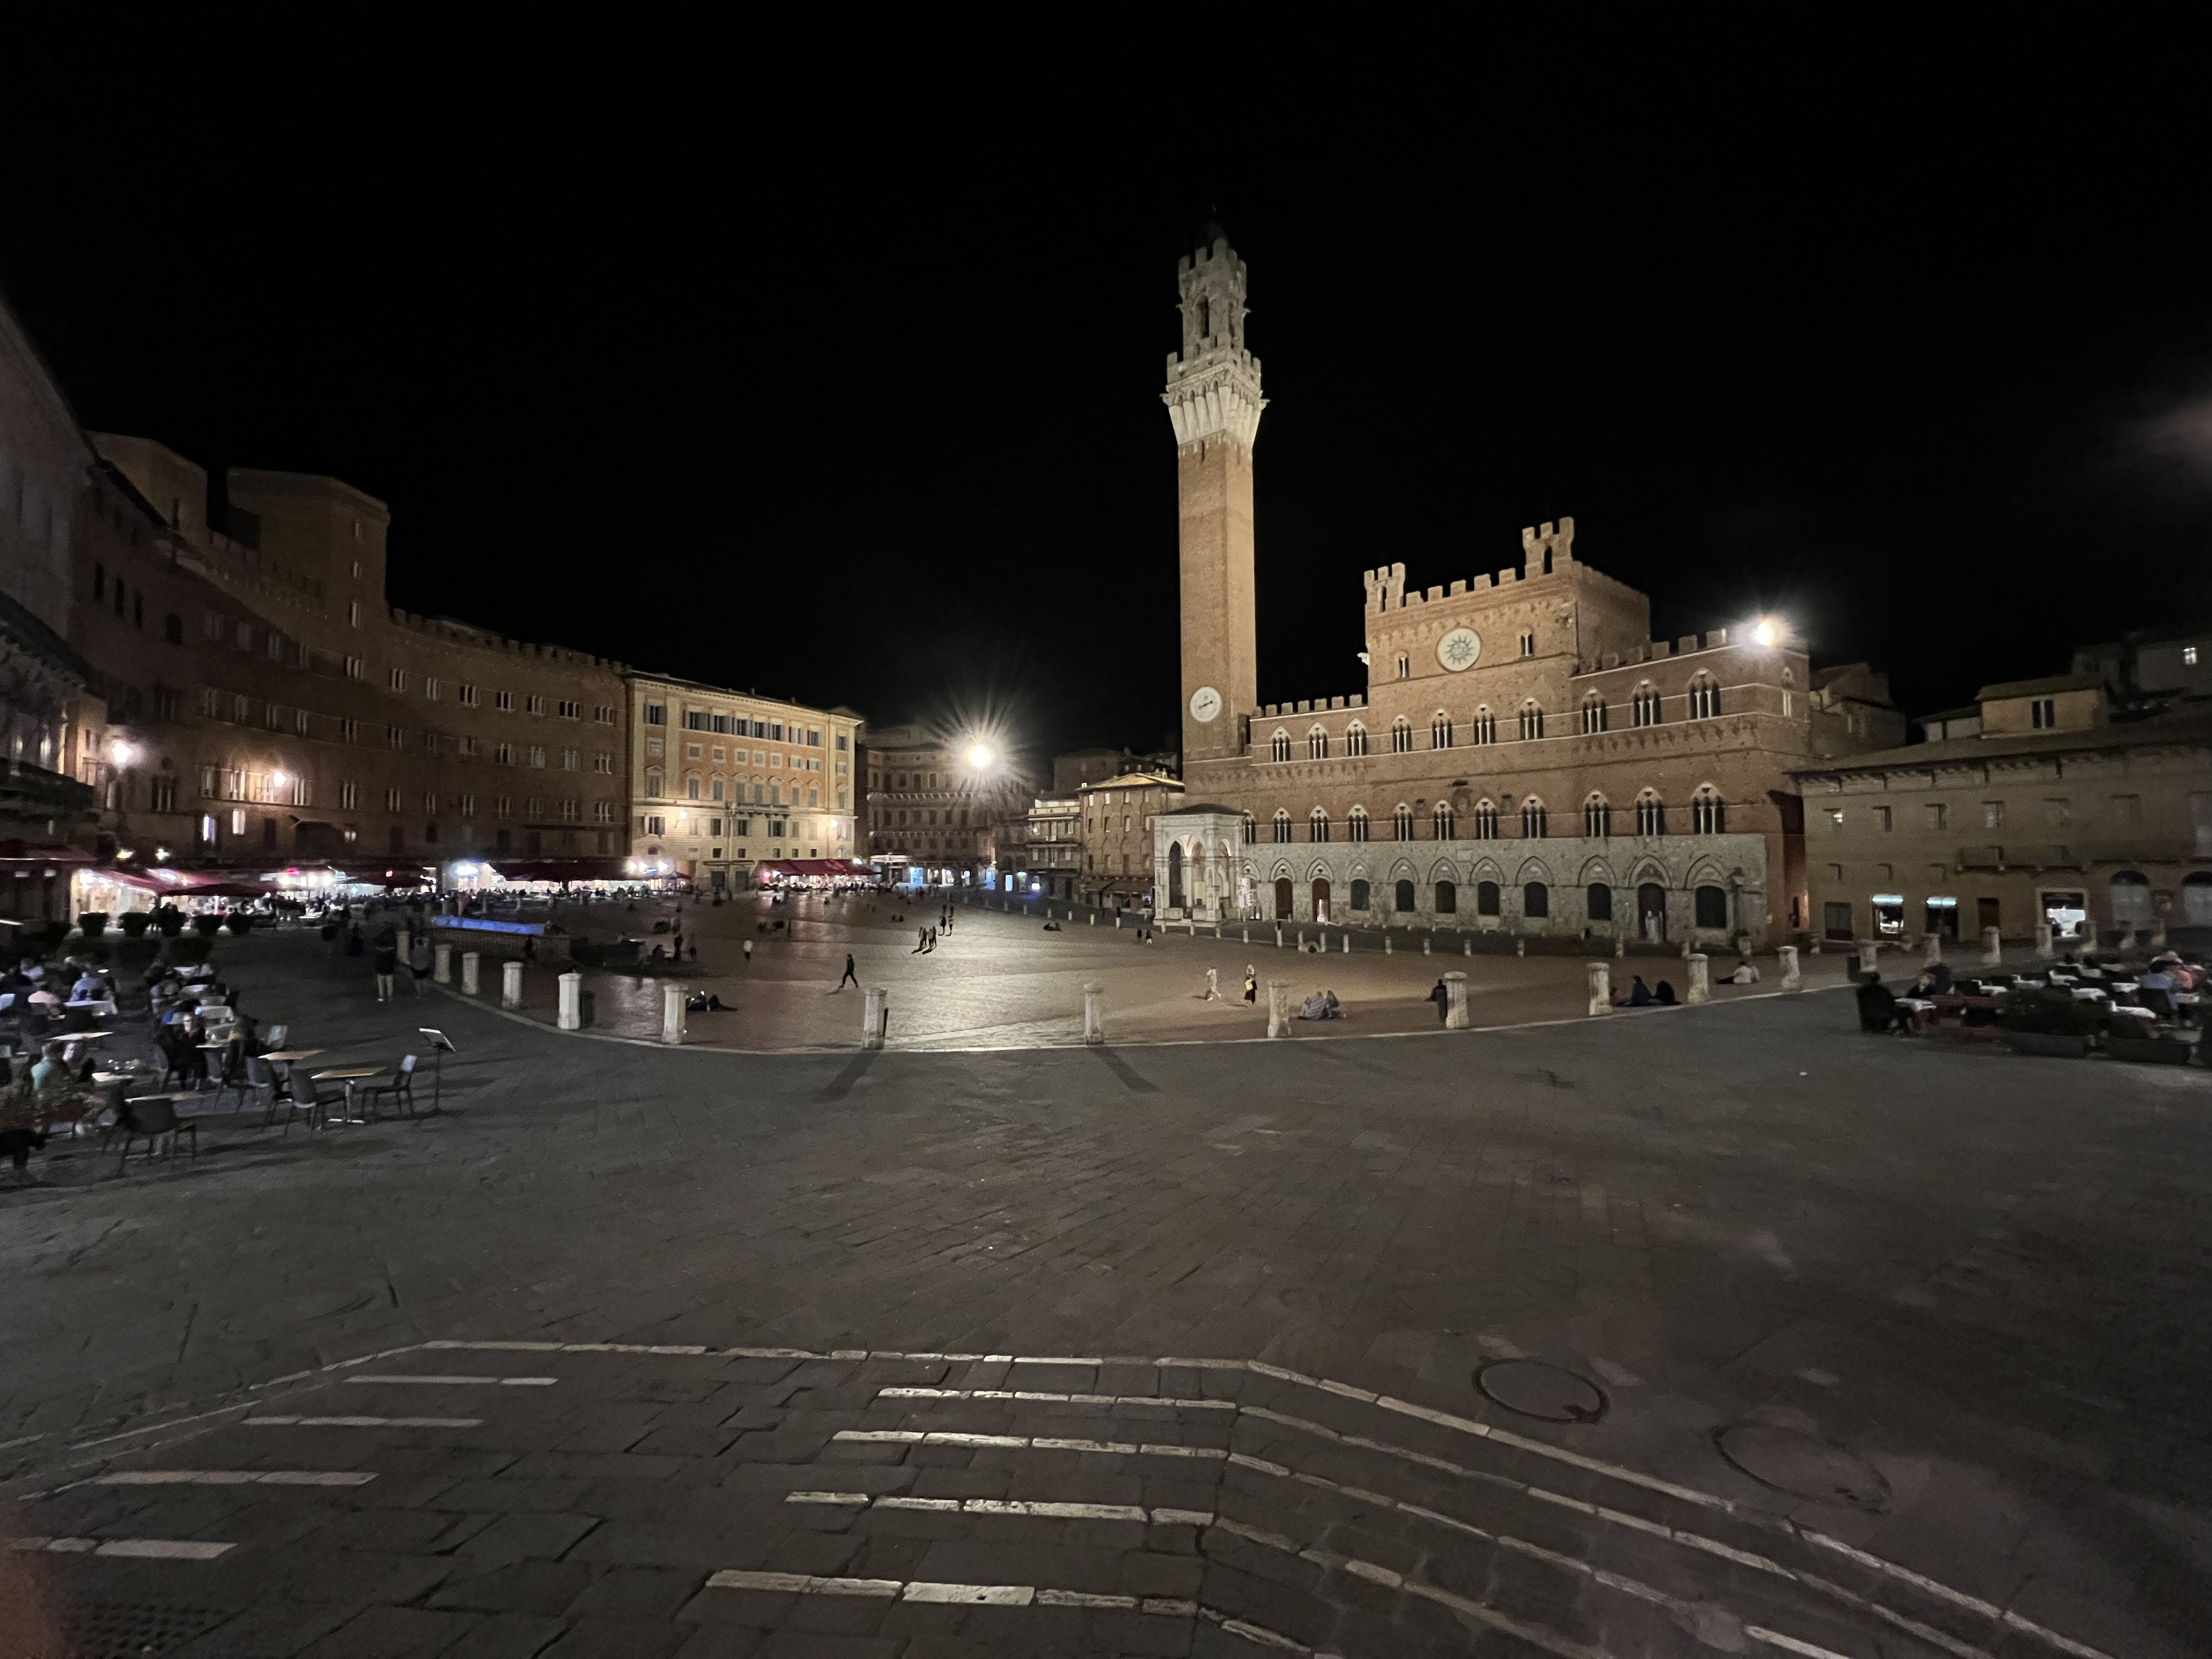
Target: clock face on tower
1205, 704
1458, 649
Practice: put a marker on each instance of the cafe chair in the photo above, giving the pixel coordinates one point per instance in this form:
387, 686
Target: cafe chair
401, 1088
151, 1117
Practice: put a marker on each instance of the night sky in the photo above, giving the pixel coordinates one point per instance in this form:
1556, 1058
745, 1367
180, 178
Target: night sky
848, 389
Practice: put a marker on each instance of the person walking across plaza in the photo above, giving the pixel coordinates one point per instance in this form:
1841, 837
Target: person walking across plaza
385, 962
921, 941
418, 962
850, 977
1212, 986
1251, 983
748, 951
1442, 998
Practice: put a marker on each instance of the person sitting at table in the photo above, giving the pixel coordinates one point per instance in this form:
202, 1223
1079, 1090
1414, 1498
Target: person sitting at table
45, 999
33, 970
89, 986
1934, 981
15, 980
22, 1125
1878, 1009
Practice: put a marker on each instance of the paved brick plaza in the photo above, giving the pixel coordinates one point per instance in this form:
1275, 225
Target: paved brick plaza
1156, 1350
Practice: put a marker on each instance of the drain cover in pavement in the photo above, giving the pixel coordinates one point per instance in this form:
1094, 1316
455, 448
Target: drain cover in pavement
1535, 1389
123, 1629
1797, 1463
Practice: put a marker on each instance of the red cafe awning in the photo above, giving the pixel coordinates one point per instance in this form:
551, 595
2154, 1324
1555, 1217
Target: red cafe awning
812, 867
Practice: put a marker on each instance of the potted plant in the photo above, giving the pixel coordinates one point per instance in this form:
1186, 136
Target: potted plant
2052, 1021
92, 923
135, 922
239, 922
205, 926
169, 921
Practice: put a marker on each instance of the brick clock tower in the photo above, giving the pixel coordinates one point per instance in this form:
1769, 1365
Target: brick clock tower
1214, 399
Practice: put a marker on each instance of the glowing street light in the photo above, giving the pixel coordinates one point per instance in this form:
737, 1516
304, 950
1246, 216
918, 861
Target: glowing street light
1767, 631
276, 779
979, 756
121, 753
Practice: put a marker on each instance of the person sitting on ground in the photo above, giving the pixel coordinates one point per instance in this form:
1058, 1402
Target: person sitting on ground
1746, 974
1052, 927
1639, 995
660, 954
1878, 1009
1664, 996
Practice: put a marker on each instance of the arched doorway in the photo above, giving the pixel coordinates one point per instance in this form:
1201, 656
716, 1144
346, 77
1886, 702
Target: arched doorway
1651, 911
1535, 900
1175, 875
1321, 898
2130, 900
1282, 898
1486, 898
1447, 898
1713, 907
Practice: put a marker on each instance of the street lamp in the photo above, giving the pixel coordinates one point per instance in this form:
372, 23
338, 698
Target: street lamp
981, 756
1767, 631
121, 753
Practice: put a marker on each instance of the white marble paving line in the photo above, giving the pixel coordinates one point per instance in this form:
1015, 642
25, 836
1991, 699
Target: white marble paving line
1024, 1442
1033, 1509
150, 1549
1004, 1595
456, 1381
1043, 1397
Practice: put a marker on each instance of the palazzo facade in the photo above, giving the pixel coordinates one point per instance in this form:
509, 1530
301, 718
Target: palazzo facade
1524, 755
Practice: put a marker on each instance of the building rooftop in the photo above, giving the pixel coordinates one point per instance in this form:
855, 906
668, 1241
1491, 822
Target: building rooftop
2042, 688
2190, 728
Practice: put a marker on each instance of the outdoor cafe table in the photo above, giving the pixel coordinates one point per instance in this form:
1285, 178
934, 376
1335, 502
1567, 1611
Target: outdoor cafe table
288, 1057
349, 1075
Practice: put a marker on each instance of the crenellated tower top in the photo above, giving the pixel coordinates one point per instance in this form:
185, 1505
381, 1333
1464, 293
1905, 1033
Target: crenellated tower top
1213, 382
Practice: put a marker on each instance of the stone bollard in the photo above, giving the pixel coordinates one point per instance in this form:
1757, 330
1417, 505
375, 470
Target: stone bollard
1348, 945
875, 1016
2158, 934
671, 1013
1302, 941
1931, 950
2043, 951
1245, 934
1792, 980
1279, 936
1386, 944
1992, 948
1425, 945
1701, 984
572, 1001
1094, 1013
1600, 988
470, 963
441, 964
1279, 1007
1094, 918
1467, 947
510, 985
2127, 943
1686, 939
1455, 1014
1117, 917
1520, 947
1620, 948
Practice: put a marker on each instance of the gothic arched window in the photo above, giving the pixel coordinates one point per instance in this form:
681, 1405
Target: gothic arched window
1532, 819
1651, 814
1355, 738
1440, 731
1705, 698
1486, 725
1401, 823
1645, 703
1355, 828
1317, 825
1251, 828
1485, 819
1532, 719
1401, 736
1593, 712
1443, 821
1708, 813
1597, 818
1282, 824
1317, 744
1279, 746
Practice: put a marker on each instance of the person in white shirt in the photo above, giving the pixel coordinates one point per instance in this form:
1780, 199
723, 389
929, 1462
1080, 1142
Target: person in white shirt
1745, 974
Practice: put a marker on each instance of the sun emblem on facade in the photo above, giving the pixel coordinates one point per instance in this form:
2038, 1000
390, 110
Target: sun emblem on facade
1458, 649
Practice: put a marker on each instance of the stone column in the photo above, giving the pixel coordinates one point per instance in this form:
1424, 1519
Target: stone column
1701, 984
2042, 950
1992, 948
441, 964
1302, 941
1455, 1015
1279, 1007
510, 985
1467, 947
1386, 942
1520, 947
1427, 944
1600, 988
1931, 952
572, 1001
1348, 945
875, 1016
671, 1013
1791, 979
1094, 1013
470, 963
1279, 936
1620, 947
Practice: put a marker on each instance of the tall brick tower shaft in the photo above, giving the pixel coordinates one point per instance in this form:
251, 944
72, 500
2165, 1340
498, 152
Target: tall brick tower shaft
1214, 399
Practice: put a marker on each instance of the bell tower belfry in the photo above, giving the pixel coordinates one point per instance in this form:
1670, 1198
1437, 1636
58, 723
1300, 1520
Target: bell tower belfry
1214, 400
